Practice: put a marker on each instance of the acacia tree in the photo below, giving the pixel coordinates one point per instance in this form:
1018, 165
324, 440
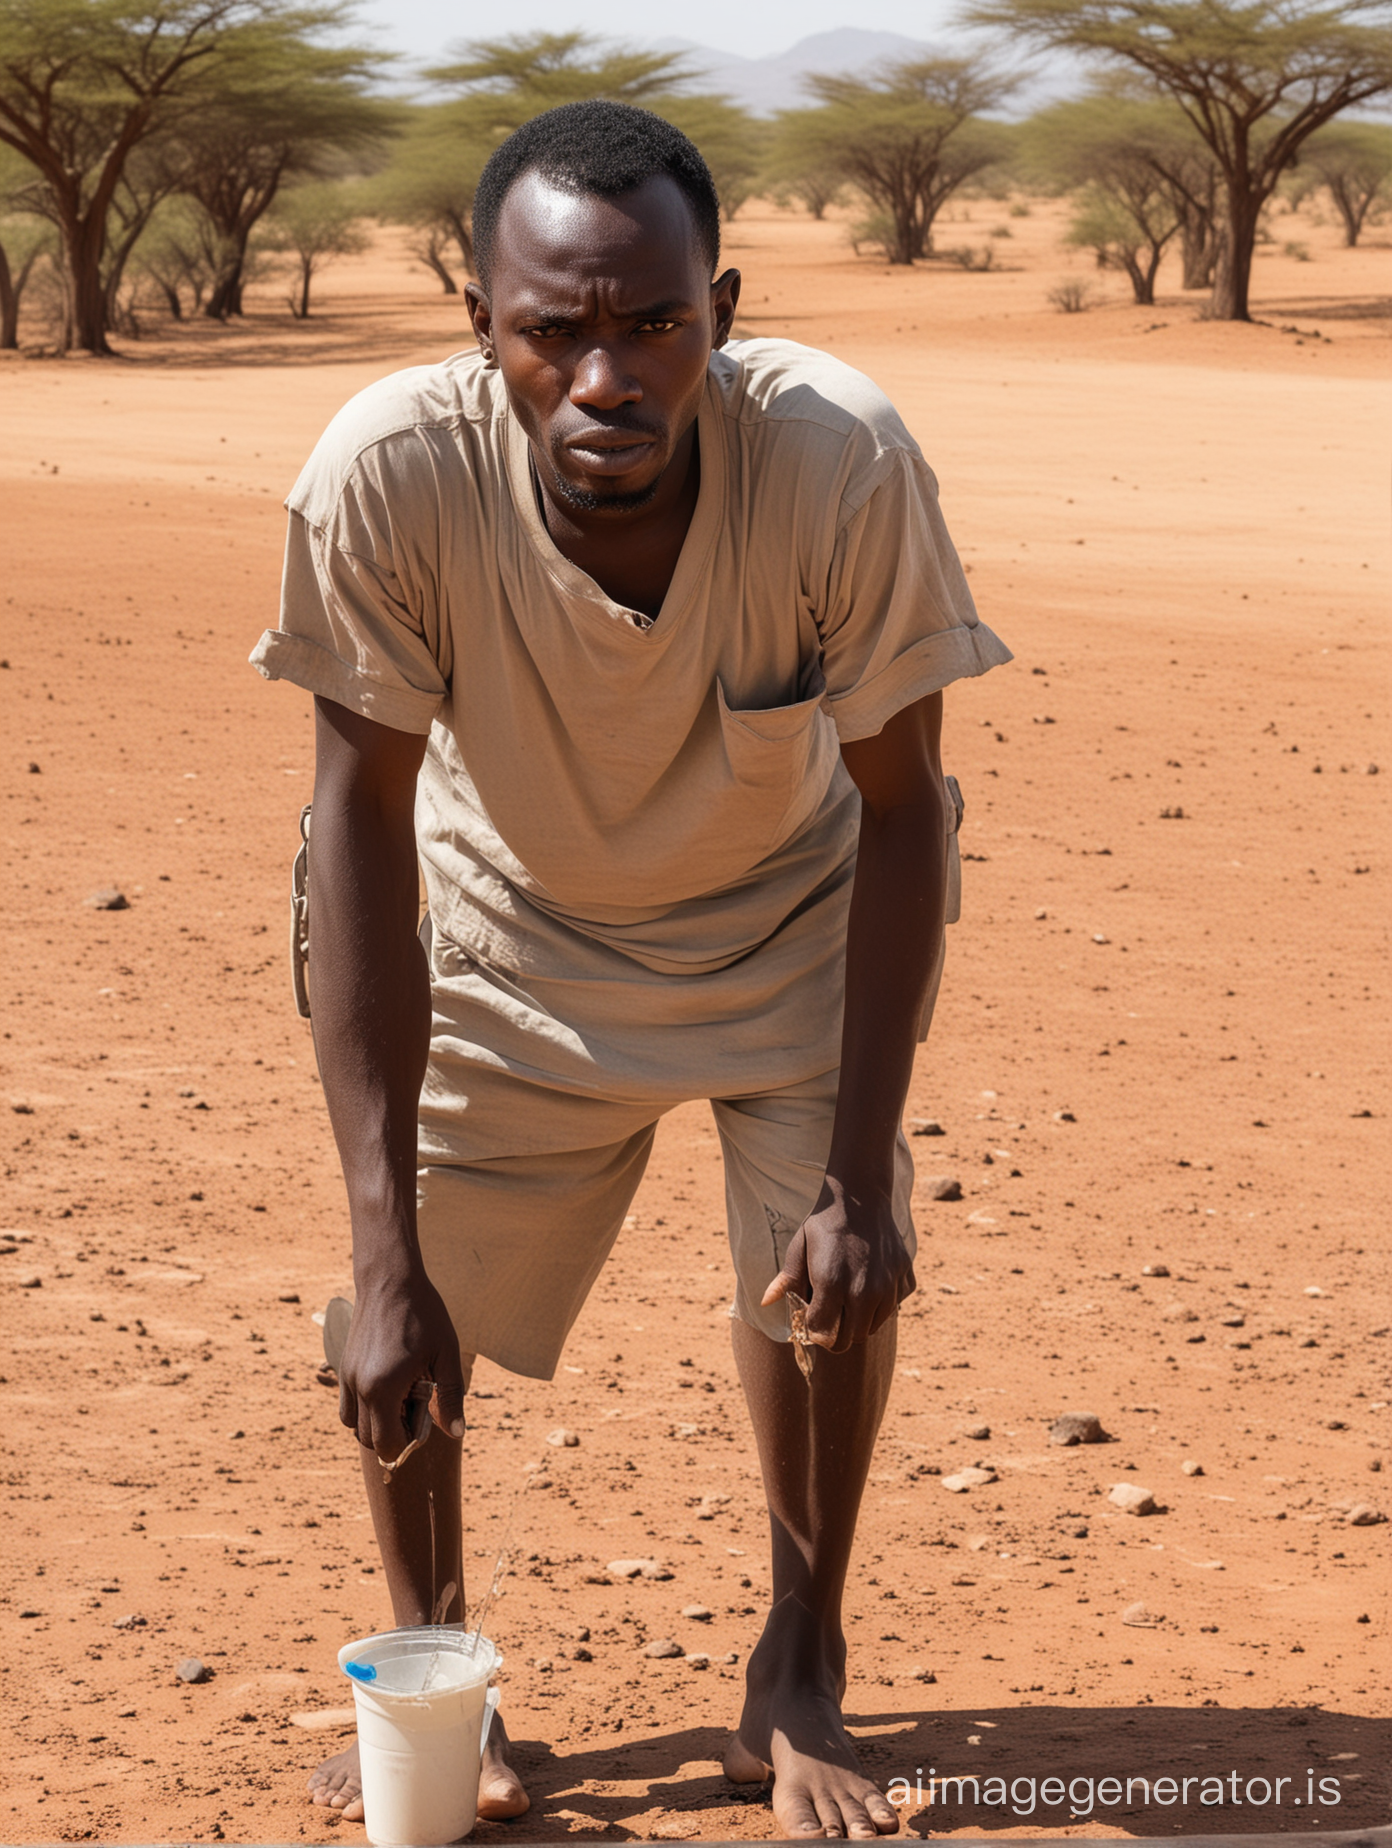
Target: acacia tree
428, 185
908, 136
83, 85
313, 222
287, 107
1353, 162
1145, 171
1256, 78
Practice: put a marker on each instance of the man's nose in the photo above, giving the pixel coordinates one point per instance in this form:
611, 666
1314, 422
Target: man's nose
602, 380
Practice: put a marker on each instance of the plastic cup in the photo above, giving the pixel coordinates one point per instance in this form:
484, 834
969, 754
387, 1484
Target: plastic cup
423, 1721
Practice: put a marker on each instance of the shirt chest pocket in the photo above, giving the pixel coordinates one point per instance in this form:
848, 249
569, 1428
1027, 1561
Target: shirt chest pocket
781, 761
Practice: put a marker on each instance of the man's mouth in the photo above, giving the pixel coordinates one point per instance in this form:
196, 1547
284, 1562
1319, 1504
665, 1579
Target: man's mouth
610, 451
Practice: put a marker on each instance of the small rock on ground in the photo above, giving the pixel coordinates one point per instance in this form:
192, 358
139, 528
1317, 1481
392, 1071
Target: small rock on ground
926, 1126
697, 1613
1141, 1617
638, 1568
193, 1671
563, 1439
1155, 1270
970, 1478
1364, 1516
109, 899
133, 1622
979, 1431
1132, 1499
1077, 1428
1191, 1468
942, 1187
664, 1649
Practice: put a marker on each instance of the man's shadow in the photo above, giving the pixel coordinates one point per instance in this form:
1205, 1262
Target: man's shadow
1142, 1771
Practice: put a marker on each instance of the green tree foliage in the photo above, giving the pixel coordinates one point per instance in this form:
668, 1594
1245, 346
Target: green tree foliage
1129, 235
313, 223
1353, 162
1256, 78
907, 137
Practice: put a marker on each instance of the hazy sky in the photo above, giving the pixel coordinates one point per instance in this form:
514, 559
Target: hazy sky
423, 27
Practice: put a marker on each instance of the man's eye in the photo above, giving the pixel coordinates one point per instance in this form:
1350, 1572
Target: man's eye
657, 327
546, 330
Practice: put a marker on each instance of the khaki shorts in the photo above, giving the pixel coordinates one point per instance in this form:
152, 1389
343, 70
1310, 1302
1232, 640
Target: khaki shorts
532, 1151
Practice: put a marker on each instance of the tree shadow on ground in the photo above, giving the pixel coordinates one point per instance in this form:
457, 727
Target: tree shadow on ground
1222, 1766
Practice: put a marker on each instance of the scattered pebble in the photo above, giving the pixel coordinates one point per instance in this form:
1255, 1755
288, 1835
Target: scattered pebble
927, 1126
1078, 1428
1313, 1289
1132, 1499
969, 1478
1141, 1617
664, 1649
1040, 914
288, 1296
1191, 1468
110, 898
699, 1659
1064, 1116
1364, 1516
922, 1674
563, 1439
1155, 1270
942, 1187
193, 1671
1099, 937
325, 1719
638, 1568
980, 1543
697, 1613
1180, 1312
133, 1622
979, 1431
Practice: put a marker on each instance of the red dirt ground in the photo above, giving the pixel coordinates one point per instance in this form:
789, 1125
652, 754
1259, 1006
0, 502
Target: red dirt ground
1162, 1041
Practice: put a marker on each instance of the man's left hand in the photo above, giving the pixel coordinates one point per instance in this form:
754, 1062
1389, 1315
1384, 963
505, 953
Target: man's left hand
849, 1263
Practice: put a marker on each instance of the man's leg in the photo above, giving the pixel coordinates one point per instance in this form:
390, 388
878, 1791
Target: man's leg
815, 1442
417, 1521
513, 1245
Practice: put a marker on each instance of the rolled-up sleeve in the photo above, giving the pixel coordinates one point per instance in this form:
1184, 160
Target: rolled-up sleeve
348, 632
899, 621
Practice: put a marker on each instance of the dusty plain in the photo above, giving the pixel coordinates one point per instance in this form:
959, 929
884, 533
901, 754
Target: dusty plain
1162, 1043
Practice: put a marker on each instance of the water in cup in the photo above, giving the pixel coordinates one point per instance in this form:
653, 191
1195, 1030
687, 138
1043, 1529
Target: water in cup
424, 1707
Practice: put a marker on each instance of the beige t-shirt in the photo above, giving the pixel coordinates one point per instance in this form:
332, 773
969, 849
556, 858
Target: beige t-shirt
671, 788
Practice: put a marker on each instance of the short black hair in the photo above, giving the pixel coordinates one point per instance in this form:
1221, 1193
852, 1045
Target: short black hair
598, 147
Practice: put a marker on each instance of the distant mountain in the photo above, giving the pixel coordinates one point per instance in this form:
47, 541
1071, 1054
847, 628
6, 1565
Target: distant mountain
774, 82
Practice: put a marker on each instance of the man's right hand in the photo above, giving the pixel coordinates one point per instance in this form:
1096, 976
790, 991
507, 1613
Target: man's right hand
401, 1333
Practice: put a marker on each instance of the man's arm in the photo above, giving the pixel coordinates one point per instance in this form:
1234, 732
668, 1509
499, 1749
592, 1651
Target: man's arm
371, 997
849, 1250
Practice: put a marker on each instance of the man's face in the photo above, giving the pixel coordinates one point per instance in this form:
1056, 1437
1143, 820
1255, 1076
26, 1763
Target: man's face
602, 317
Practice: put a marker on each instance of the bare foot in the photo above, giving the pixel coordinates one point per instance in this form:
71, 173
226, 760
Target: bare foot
791, 1730
338, 1785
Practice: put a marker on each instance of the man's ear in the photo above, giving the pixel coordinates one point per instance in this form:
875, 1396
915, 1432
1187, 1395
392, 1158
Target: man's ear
480, 319
724, 300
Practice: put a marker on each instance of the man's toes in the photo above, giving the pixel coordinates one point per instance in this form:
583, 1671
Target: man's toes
882, 1813
799, 1818
829, 1811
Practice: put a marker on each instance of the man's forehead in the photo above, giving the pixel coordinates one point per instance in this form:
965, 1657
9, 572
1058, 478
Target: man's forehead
639, 247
